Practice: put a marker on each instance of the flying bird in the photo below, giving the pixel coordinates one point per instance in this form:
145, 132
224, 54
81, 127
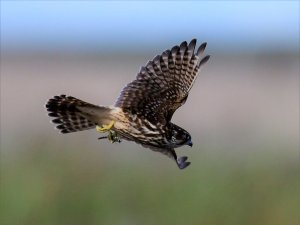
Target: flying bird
144, 109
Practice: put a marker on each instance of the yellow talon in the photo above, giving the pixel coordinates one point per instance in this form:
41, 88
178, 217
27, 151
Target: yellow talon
106, 127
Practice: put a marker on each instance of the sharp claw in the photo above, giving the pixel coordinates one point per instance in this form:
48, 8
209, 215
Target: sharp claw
106, 127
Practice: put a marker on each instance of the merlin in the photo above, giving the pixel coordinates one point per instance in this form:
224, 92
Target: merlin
144, 109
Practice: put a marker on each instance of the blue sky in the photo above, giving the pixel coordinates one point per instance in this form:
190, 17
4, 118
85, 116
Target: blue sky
113, 26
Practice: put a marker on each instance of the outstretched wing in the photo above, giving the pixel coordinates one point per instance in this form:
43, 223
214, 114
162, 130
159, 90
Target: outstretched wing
164, 83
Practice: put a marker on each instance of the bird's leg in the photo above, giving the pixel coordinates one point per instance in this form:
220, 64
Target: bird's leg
106, 127
113, 136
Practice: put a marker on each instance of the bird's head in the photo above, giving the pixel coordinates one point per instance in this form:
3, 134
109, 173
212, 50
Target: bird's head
179, 136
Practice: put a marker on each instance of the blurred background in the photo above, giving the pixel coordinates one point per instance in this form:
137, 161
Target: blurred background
242, 113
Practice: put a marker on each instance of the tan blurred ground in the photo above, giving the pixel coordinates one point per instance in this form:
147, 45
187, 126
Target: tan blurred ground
239, 103
243, 115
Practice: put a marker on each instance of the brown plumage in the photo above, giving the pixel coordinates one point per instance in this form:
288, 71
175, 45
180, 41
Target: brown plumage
145, 107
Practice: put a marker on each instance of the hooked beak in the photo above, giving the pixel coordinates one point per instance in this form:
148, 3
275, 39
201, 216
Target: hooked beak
190, 143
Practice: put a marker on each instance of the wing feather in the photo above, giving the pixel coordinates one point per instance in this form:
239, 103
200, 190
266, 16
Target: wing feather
164, 83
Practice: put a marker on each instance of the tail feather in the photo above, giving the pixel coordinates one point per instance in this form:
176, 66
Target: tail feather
71, 114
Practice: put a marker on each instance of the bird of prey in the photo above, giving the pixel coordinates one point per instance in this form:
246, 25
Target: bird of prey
144, 109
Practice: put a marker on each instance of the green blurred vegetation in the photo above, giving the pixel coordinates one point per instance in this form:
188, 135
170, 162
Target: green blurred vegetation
49, 185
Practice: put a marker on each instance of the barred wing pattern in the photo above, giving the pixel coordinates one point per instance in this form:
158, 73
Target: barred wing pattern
163, 84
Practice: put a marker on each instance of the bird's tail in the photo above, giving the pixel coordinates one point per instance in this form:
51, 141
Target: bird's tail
72, 114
